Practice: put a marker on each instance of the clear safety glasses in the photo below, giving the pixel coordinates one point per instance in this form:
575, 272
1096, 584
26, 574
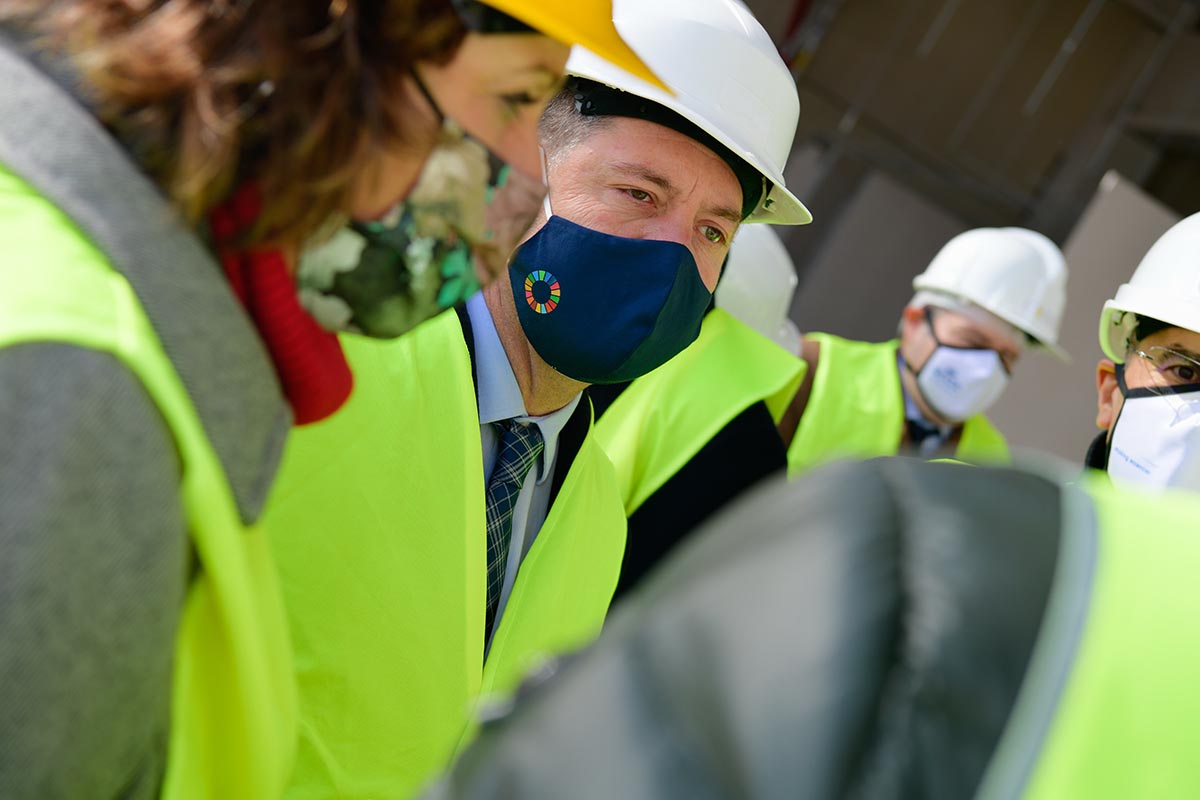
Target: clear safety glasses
1171, 375
1168, 371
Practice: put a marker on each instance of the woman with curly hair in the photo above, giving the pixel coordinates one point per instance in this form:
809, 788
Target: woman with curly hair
163, 164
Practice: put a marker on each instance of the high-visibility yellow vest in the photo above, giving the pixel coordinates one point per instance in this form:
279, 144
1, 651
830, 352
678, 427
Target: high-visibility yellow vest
232, 728
378, 526
664, 418
1110, 706
856, 409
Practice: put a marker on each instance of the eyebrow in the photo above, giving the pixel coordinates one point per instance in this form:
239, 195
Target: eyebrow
732, 215
1184, 351
645, 173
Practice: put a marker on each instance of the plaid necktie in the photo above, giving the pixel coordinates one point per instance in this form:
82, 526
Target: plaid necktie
520, 446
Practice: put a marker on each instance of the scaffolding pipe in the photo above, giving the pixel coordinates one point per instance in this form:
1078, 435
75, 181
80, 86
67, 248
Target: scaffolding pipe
937, 27
1185, 17
994, 80
1059, 63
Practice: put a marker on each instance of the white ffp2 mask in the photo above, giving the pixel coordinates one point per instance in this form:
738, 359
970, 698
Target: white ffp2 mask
959, 383
1156, 439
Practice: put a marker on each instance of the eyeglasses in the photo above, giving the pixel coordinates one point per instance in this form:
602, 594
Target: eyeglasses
1169, 367
1008, 359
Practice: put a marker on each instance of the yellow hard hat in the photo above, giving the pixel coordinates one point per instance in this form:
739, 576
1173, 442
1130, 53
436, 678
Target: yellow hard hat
583, 22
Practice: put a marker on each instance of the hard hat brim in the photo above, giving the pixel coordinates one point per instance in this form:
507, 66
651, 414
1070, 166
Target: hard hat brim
1131, 302
581, 22
781, 207
1054, 350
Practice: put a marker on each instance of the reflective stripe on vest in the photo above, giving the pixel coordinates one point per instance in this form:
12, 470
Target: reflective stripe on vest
664, 418
233, 704
377, 523
1110, 705
856, 409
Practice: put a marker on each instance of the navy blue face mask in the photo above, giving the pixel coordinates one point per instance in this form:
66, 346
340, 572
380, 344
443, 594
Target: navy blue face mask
605, 309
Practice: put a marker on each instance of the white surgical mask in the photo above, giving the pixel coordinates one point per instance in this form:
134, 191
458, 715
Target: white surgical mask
1156, 438
960, 382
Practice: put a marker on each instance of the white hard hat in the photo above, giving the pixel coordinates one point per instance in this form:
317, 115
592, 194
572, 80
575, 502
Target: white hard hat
1017, 274
758, 284
1165, 286
727, 77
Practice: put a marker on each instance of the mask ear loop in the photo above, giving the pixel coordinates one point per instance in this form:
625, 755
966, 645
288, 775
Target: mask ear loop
916, 373
1119, 372
429, 98
929, 322
545, 182
939, 343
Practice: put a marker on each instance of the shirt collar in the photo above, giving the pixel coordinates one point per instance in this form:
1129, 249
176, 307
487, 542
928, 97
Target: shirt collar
499, 394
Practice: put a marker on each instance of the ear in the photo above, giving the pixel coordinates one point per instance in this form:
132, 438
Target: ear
1108, 394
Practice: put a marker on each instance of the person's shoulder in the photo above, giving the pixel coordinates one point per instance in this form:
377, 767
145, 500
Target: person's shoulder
95, 536
90, 399
42, 252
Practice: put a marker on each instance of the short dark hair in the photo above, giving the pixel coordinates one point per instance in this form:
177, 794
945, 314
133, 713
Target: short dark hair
562, 127
1143, 327
1148, 326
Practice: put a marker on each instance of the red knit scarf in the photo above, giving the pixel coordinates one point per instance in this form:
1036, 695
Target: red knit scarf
308, 359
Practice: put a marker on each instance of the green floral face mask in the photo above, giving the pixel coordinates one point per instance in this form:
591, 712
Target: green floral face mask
450, 236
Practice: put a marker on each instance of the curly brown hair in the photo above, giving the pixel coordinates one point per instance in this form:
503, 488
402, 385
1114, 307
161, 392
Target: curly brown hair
295, 95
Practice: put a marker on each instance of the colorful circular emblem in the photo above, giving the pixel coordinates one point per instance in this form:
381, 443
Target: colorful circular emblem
542, 291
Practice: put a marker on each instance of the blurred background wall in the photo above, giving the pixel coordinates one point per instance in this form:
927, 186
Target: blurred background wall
922, 118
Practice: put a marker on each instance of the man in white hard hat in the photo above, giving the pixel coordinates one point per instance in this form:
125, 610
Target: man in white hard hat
758, 285
698, 431
1148, 386
987, 295
458, 520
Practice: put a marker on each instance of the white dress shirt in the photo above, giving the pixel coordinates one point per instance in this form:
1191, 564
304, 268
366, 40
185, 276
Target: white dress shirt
499, 397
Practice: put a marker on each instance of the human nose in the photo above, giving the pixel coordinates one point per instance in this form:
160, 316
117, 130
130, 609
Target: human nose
670, 227
679, 228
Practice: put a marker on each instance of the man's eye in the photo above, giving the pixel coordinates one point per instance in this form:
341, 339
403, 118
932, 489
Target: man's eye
714, 235
638, 194
1184, 373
